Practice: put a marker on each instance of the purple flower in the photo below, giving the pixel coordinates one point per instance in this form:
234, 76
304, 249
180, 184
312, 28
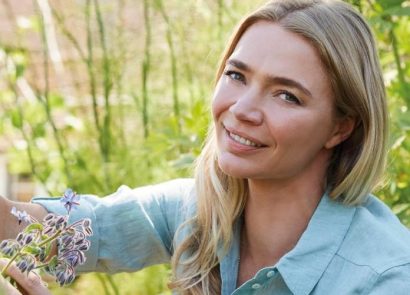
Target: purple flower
21, 215
65, 274
9, 247
73, 257
26, 263
41, 255
70, 199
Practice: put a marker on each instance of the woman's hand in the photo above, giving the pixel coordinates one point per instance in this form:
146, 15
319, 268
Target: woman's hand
4, 212
28, 285
10, 226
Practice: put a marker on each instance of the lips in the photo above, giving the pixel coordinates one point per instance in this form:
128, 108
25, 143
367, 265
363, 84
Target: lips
243, 139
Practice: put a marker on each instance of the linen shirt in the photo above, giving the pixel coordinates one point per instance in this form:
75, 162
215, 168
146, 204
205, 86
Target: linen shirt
344, 249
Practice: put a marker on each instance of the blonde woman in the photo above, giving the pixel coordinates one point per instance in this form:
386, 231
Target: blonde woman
281, 199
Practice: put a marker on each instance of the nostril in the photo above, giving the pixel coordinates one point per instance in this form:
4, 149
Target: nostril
245, 113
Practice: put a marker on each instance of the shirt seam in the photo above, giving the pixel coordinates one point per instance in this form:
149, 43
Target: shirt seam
339, 247
370, 287
391, 265
357, 264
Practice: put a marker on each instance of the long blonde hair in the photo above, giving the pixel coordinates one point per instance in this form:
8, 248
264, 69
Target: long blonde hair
347, 49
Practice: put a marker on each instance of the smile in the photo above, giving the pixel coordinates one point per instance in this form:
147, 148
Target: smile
243, 140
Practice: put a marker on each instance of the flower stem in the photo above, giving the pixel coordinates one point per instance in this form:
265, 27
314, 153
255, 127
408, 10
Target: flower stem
3, 272
53, 237
41, 266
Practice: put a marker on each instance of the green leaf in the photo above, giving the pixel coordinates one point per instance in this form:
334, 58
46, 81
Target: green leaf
184, 161
39, 130
397, 209
31, 249
53, 262
33, 226
386, 4
397, 11
403, 119
56, 100
20, 68
48, 249
16, 119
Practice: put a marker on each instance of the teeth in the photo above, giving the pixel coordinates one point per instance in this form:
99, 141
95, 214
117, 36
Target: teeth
242, 140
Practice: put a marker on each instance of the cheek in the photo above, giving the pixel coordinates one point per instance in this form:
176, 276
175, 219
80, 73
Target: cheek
293, 130
216, 108
219, 101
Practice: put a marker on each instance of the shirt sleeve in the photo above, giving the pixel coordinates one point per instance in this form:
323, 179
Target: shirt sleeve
132, 228
396, 281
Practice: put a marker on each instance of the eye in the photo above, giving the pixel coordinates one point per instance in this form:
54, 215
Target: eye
235, 76
288, 97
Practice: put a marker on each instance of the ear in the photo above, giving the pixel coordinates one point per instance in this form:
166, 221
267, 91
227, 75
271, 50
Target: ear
342, 130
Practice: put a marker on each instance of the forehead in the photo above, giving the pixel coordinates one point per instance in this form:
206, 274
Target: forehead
270, 49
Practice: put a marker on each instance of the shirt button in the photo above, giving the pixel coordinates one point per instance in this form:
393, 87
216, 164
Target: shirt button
270, 273
256, 286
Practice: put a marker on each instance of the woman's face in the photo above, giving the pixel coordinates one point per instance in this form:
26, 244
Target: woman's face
273, 107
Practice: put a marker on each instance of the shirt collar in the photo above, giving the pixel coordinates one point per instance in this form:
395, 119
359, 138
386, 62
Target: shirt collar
302, 267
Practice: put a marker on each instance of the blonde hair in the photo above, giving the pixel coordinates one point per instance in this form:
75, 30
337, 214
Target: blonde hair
347, 49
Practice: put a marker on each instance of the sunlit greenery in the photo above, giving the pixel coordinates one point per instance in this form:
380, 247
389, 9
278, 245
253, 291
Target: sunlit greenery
128, 103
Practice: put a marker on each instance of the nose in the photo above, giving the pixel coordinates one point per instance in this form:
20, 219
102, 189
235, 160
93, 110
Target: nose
247, 109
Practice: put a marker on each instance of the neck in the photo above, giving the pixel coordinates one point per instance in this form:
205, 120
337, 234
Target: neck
277, 213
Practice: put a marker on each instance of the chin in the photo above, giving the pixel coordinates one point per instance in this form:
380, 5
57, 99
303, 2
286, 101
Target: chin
233, 169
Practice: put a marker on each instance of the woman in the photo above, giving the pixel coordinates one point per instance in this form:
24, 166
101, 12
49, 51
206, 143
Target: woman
280, 202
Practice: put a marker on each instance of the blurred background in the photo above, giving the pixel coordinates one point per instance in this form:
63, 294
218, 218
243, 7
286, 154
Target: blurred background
98, 93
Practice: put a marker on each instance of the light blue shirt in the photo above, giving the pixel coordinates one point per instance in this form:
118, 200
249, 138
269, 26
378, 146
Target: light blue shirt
344, 250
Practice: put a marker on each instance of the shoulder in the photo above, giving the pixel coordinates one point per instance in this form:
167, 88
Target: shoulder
377, 239
181, 187
394, 280
175, 190
167, 198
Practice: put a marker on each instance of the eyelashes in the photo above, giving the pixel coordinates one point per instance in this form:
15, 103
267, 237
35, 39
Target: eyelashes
284, 95
288, 96
235, 76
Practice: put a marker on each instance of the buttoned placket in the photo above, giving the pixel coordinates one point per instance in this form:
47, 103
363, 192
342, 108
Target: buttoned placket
285, 275
229, 269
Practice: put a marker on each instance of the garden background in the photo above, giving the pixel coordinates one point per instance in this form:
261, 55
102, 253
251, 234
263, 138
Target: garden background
98, 93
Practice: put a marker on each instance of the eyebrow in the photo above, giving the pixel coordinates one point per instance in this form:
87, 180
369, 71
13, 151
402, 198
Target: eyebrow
270, 78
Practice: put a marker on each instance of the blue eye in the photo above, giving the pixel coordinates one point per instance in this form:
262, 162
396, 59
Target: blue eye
235, 76
289, 97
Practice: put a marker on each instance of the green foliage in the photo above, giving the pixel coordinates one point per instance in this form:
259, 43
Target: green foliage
137, 109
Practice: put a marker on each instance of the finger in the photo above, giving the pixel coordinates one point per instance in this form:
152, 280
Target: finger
6, 288
31, 283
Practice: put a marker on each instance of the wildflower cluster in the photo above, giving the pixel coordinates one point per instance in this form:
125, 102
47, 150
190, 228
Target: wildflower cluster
32, 247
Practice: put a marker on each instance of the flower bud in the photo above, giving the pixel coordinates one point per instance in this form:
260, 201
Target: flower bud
48, 230
51, 223
60, 276
61, 222
79, 236
22, 265
79, 242
67, 241
31, 266
4, 244
86, 222
20, 237
69, 279
11, 248
28, 239
49, 217
41, 255
84, 246
88, 231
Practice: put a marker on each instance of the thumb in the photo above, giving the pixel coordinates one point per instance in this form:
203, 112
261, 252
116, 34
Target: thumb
6, 288
30, 284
